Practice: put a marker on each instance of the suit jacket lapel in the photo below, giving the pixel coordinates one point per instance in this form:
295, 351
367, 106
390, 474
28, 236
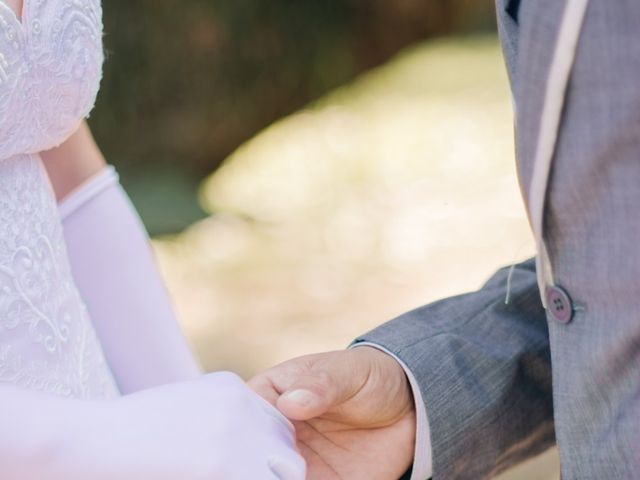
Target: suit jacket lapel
508, 29
549, 33
539, 25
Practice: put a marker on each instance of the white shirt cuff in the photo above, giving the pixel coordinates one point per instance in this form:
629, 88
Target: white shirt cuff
422, 461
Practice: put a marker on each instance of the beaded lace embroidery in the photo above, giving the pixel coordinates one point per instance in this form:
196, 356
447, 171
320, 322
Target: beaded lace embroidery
50, 70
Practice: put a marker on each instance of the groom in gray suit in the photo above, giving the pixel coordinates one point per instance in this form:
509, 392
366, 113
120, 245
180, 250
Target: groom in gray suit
470, 386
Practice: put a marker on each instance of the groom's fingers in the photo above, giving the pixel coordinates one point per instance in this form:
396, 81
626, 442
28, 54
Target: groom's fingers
309, 386
264, 387
330, 380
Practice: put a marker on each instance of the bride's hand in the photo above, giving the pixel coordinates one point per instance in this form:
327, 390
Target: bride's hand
213, 428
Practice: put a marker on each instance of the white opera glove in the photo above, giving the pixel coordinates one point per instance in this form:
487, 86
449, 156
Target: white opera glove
113, 266
212, 428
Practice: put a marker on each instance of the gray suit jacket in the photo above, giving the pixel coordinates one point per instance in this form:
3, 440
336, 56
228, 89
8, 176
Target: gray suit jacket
484, 367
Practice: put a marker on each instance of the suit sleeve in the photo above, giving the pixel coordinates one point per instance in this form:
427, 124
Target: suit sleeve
484, 371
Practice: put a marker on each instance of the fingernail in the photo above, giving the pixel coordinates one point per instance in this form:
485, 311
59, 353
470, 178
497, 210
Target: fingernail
303, 398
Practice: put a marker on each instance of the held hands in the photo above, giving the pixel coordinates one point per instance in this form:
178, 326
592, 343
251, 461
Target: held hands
214, 428
353, 412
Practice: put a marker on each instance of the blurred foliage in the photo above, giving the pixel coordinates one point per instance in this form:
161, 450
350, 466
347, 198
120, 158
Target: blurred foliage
394, 190
387, 193
187, 81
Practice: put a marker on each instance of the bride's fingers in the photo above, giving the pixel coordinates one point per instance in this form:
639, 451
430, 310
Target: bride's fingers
292, 468
285, 426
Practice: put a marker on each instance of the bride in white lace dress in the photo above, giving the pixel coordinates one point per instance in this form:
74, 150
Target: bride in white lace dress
96, 379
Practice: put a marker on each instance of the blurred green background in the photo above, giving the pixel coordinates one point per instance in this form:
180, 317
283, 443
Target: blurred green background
188, 81
311, 169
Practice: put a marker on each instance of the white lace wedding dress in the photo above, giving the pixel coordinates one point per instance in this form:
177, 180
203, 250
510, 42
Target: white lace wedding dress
50, 69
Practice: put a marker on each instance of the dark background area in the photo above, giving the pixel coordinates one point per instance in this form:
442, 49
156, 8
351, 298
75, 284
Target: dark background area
187, 81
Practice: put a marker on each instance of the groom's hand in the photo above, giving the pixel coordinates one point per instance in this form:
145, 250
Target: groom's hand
353, 411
